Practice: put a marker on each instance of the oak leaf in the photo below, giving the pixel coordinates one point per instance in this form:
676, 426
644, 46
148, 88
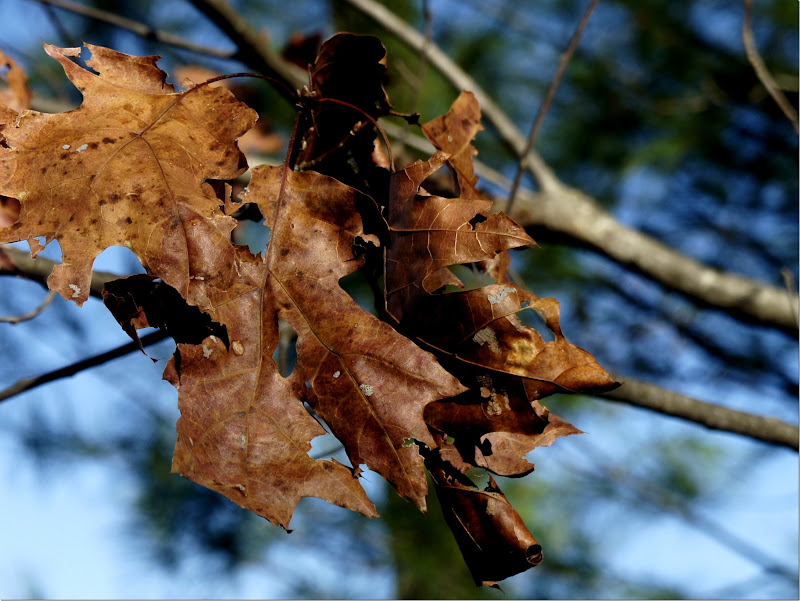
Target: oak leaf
491, 535
346, 94
431, 233
127, 168
453, 134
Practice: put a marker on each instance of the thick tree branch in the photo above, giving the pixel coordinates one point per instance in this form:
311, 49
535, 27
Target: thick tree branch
571, 213
715, 417
567, 211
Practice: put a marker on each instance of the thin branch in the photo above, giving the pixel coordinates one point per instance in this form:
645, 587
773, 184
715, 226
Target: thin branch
506, 129
715, 417
548, 100
252, 47
20, 318
422, 67
70, 370
761, 68
649, 492
140, 29
570, 213
791, 291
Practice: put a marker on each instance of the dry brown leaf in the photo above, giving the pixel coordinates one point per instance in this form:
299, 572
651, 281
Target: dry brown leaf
490, 533
243, 430
127, 168
453, 134
17, 96
141, 166
369, 383
495, 428
431, 233
350, 69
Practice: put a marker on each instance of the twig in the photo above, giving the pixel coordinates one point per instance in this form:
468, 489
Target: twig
136, 27
70, 370
548, 100
252, 48
648, 491
422, 67
20, 318
761, 68
715, 417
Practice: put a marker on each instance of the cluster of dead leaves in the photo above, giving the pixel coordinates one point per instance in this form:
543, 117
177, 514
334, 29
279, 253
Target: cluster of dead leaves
445, 381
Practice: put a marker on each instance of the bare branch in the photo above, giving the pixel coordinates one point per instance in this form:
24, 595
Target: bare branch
570, 213
715, 417
20, 318
548, 99
253, 49
70, 370
135, 27
761, 68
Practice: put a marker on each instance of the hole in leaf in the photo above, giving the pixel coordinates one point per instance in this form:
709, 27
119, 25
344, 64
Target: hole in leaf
285, 355
534, 554
476, 220
252, 233
357, 286
533, 319
9, 208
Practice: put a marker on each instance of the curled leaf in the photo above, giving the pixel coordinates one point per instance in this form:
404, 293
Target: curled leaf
490, 533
